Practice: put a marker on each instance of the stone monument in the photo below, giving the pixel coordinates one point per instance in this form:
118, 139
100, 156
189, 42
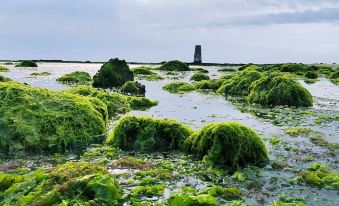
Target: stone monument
197, 55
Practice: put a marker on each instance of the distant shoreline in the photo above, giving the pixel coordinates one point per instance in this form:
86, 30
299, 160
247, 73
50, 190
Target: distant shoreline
159, 63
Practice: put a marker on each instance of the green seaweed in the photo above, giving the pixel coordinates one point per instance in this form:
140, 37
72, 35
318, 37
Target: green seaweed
227, 69
133, 88
148, 191
27, 64
4, 69
4, 79
229, 144
178, 87
294, 132
77, 77
311, 75
146, 133
174, 66
199, 77
213, 85
40, 74
34, 119
69, 184
113, 73
116, 103
275, 89
239, 83
320, 176
143, 71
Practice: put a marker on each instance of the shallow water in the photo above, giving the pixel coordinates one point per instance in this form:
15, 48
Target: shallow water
198, 109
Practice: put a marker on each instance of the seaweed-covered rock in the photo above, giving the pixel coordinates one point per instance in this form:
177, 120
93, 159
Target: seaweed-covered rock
69, 184
40, 74
248, 67
4, 79
116, 103
209, 84
178, 87
142, 70
27, 64
334, 75
239, 83
201, 70
77, 77
320, 176
311, 75
275, 89
35, 119
199, 77
133, 88
174, 66
113, 73
227, 69
4, 69
146, 133
229, 144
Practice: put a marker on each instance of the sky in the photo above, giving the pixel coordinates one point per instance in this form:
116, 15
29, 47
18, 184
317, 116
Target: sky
230, 31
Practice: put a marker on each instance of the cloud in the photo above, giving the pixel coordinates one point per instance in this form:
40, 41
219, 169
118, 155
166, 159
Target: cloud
155, 30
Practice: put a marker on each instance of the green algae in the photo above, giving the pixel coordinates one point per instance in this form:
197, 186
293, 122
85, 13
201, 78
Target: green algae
4, 69
69, 184
239, 83
4, 79
131, 163
77, 77
133, 88
148, 191
275, 89
27, 64
213, 85
227, 69
208, 197
248, 67
113, 73
311, 75
201, 70
153, 77
143, 70
334, 75
37, 119
146, 133
199, 77
178, 87
320, 176
294, 132
116, 103
229, 144
174, 66
40, 74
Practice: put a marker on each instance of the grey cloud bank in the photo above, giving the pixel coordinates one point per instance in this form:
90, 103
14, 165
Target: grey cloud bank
262, 31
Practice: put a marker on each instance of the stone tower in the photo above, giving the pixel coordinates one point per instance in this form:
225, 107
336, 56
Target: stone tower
197, 55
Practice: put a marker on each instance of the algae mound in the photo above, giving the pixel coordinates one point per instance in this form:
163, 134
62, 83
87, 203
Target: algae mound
142, 70
229, 144
4, 69
27, 64
275, 89
174, 66
146, 133
227, 69
37, 119
311, 75
77, 77
334, 75
133, 88
113, 73
238, 84
69, 184
199, 77
116, 103
320, 176
209, 84
4, 79
178, 87
40, 74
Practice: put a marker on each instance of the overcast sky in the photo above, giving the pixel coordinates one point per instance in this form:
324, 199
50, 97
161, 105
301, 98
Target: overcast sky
258, 31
